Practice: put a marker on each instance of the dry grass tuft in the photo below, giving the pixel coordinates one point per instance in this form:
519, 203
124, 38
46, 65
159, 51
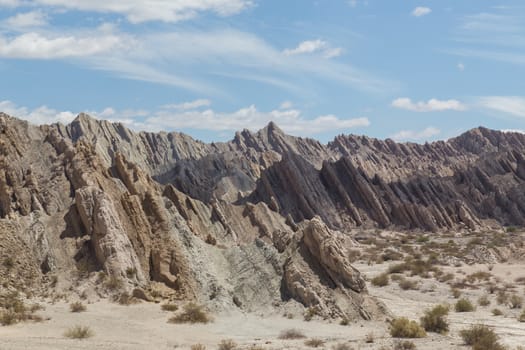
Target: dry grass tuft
77, 307
78, 332
291, 334
405, 328
227, 344
314, 342
192, 313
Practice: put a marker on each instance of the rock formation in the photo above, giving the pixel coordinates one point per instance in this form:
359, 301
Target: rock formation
265, 219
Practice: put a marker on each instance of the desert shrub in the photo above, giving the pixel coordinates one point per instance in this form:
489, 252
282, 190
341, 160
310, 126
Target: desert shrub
131, 272
125, 299
502, 298
380, 280
77, 307
314, 342
404, 345
521, 317
192, 313
405, 328
464, 305
456, 293
481, 337
198, 347
435, 319
342, 346
78, 332
344, 321
309, 314
8, 318
227, 344
497, 312
169, 307
515, 301
484, 300
113, 283
407, 284
398, 268
291, 334
446, 277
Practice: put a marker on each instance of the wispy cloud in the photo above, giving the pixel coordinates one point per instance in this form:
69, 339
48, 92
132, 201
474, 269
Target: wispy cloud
313, 46
40, 115
137, 11
511, 105
412, 135
421, 11
431, 105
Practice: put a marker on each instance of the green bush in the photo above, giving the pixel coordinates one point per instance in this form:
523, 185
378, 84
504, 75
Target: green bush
435, 319
464, 305
515, 301
481, 337
405, 328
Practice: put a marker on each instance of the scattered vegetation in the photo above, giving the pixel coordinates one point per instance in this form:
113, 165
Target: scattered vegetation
77, 307
78, 332
291, 334
484, 300
342, 346
407, 284
309, 314
464, 305
481, 337
198, 347
369, 338
435, 319
227, 344
113, 283
381, 280
497, 312
169, 307
314, 342
515, 301
404, 345
405, 328
521, 317
192, 313
14, 310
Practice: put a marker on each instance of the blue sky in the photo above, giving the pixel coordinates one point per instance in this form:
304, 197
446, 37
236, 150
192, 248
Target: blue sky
408, 70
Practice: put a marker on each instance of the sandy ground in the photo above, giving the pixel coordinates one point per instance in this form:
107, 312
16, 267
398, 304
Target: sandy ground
145, 326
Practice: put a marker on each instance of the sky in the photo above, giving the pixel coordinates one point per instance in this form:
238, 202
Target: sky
410, 70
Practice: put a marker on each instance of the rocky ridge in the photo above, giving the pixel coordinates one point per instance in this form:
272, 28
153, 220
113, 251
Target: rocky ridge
265, 219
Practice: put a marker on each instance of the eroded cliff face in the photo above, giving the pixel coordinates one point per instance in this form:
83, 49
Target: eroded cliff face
262, 220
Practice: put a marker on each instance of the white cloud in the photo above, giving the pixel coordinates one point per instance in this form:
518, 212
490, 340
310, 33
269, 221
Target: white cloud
513, 105
36, 46
411, 135
40, 115
26, 20
286, 105
189, 105
313, 46
431, 105
137, 11
421, 11
461, 66
309, 46
352, 3
290, 120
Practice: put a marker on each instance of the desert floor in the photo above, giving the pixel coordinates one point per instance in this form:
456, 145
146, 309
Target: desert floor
145, 326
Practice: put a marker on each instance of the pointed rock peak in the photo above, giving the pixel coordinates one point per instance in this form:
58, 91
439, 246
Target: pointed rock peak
272, 128
84, 118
